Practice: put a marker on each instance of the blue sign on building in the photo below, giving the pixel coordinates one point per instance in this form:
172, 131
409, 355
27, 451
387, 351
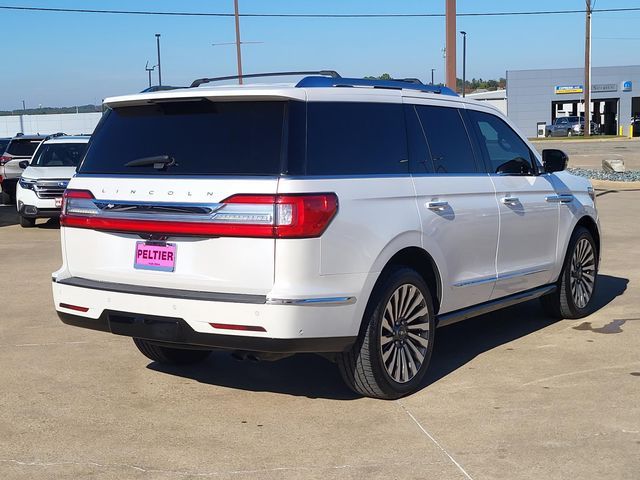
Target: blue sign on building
627, 86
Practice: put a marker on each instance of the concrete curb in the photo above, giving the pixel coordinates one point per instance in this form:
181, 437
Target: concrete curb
612, 185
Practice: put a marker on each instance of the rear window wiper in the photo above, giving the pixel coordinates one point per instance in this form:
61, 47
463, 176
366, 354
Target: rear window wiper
159, 162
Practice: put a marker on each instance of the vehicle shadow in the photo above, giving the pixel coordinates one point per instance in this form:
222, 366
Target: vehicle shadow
315, 377
8, 215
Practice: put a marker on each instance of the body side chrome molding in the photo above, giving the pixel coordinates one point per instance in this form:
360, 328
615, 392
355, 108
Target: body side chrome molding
504, 276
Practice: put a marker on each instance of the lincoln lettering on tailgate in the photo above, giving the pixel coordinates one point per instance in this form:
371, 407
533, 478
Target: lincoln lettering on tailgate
155, 256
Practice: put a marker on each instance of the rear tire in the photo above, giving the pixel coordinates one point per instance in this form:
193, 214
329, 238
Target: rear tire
392, 353
5, 198
27, 222
168, 355
577, 283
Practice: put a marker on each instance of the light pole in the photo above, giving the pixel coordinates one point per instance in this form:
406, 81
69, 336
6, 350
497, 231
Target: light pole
159, 67
464, 62
149, 70
432, 70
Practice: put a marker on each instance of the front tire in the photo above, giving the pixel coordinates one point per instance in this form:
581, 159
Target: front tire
574, 296
27, 222
394, 348
168, 355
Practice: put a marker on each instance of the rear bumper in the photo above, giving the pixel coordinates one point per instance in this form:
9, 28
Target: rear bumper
177, 332
193, 318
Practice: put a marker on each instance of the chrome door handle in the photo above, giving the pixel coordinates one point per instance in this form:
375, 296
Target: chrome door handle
439, 206
564, 198
510, 200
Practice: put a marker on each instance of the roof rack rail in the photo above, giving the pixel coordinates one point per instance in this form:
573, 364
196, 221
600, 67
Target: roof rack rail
395, 84
326, 73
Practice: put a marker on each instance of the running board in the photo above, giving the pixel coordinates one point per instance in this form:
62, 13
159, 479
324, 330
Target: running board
492, 305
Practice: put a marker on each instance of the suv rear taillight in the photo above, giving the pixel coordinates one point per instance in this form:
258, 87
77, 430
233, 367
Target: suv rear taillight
5, 159
260, 216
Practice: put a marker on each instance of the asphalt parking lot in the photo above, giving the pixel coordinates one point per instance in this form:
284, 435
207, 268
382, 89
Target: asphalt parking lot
511, 395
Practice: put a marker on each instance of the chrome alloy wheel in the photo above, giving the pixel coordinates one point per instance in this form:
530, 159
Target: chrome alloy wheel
582, 275
404, 335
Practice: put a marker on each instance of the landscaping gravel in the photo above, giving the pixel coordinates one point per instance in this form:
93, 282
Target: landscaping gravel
629, 176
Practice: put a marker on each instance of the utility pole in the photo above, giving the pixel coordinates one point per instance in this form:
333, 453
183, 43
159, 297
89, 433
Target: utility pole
238, 49
451, 79
432, 70
464, 62
24, 108
587, 71
159, 67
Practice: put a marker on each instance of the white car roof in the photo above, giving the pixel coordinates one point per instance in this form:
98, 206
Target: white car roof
68, 139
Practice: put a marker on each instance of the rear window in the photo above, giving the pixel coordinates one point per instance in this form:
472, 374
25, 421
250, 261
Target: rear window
202, 137
59, 155
22, 148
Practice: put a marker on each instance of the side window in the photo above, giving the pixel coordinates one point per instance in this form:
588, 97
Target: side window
345, 138
447, 139
419, 155
561, 121
504, 150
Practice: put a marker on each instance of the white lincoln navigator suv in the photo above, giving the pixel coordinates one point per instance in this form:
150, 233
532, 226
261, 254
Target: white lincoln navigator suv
346, 217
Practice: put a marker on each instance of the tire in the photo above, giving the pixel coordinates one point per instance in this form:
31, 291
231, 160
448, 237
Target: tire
569, 133
548, 133
579, 274
27, 222
368, 368
5, 198
170, 356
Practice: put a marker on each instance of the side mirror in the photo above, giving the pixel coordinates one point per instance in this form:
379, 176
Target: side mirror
554, 160
23, 164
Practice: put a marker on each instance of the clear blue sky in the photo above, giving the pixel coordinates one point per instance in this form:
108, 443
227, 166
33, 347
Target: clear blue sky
63, 59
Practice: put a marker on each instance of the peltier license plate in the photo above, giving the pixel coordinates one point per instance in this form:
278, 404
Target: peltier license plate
155, 256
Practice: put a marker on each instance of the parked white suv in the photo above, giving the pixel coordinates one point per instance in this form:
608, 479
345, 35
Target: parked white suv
42, 183
340, 216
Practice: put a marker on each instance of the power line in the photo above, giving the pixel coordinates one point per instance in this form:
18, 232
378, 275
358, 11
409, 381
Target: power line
305, 15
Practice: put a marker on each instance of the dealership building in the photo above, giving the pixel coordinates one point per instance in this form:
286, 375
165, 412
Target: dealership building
538, 97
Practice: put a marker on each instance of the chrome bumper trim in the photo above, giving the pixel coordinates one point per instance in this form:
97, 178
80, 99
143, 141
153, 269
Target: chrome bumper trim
315, 302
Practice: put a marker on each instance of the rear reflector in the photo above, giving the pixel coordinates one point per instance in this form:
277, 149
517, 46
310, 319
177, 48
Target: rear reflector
246, 328
256, 216
74, 307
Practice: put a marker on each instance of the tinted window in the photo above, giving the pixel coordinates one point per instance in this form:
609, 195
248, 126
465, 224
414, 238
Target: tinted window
59, 155
203, 137
3, 145
346, 138
23, 148
503, 149
419, 155
448, 139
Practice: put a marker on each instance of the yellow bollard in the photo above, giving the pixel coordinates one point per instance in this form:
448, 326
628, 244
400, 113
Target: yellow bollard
621, 131
631, 131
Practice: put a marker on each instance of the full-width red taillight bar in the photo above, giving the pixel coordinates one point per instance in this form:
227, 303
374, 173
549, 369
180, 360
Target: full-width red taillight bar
293, 216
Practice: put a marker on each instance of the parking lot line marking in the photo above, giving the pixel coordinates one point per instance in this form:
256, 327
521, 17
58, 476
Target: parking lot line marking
424, 430
578, 372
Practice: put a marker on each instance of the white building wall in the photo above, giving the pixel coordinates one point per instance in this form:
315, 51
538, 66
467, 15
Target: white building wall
69, 123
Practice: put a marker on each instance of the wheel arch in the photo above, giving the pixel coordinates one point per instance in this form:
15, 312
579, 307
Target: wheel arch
422, 262
590, 224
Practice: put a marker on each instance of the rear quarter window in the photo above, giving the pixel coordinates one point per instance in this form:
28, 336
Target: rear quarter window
345, 138
23, 148
204, 138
